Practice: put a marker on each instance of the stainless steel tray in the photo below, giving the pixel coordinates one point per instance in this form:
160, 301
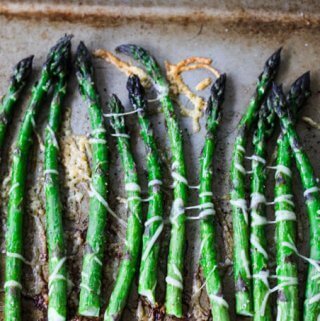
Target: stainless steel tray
238, 36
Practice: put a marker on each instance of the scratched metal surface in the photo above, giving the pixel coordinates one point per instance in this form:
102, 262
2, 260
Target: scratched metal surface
240, 52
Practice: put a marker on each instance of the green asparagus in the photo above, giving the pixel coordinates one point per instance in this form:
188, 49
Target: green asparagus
312, 197
174, 279
14, 235
219, 306
89, 304
258, 240
18, 81
154, 223
288, 300
242, 274
57, 308
129, 263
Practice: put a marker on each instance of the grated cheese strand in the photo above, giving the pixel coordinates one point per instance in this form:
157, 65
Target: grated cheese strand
256, 243
177, 210
94, 193
310, 191
152, 242
138, 110
176, 283
53, 137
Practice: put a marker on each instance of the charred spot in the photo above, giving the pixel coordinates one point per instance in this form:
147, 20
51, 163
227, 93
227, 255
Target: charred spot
40, 302
290, 258
158, 313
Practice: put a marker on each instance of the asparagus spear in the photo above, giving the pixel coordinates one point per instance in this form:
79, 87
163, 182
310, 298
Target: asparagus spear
219, 306
241, 265
89, 304
14, 258
312, 196
287, 302
57, 308
154, 223
174, 279
18, 81
131, 252
258, 240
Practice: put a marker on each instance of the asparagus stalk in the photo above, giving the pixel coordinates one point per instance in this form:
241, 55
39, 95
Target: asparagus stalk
14, 240
174, 279
131, 251
18, 81
219, 306
312, 196
288, 300
89, 304
242, 274
154, 223
258, 240
57, 308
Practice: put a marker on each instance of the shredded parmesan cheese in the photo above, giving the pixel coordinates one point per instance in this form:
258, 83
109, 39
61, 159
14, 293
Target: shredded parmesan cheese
203, 84
311, 122
123, 66
178, 86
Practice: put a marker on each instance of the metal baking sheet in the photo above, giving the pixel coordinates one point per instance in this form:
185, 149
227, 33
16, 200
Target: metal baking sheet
237, 47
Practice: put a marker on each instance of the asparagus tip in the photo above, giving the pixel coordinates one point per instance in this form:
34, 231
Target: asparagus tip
278, 102
135, 90
302, 83
274, 60
134, 51
83, 61
298, 93
59, 53
218, 88
25, 62
126, 49
22, 70
115, 104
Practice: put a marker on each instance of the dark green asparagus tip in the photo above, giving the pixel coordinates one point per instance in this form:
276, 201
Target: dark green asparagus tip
218, 89
298, 93
137, 53
279, 101
272, 64
22, 71
58, 55
131, 50
136, 92
115, 105
83, 63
